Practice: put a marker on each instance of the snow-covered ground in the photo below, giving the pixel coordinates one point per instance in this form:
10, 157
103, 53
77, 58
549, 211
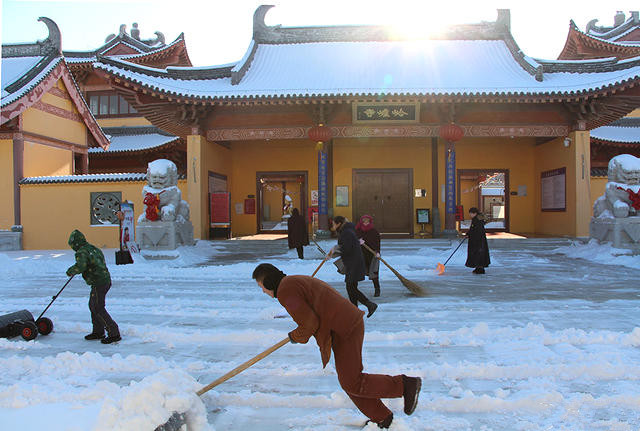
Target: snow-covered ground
548, 339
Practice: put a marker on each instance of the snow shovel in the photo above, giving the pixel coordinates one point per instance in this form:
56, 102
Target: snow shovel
440, 266
413, 287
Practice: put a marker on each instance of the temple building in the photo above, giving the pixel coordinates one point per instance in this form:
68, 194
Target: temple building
353, 120
618, 42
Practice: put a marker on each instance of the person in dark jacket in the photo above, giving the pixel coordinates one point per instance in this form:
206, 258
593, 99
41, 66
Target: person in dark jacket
90, 263
337, 325
477, 249
349, 249
370, 236
297, 232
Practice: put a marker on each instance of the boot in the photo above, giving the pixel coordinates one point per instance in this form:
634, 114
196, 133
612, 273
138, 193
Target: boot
376, 285
480, 270
411, 391
94, 336
371, 308
111, 339
386, 423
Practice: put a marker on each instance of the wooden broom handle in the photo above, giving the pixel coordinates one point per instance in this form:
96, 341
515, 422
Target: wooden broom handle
243, 367
374, 253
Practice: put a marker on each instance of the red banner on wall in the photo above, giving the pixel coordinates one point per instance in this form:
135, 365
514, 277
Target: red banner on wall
220, 207
250, 206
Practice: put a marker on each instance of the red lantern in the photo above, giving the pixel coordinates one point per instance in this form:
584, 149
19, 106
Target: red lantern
320, 133
451, 132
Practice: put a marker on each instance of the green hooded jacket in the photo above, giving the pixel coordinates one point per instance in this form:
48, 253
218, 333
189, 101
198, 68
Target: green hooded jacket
89, 261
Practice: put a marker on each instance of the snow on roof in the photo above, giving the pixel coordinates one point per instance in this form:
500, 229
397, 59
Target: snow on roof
13, 68
125, 143
438, 67
617, 134
86, 178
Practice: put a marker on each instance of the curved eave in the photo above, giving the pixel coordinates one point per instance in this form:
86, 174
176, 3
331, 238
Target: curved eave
612, 143
576, 38
133, 152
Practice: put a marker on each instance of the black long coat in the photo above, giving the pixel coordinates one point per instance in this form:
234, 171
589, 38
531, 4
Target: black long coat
297, 230
351, 254
478, 249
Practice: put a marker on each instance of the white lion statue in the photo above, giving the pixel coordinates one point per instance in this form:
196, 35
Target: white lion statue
162, 197
621, 197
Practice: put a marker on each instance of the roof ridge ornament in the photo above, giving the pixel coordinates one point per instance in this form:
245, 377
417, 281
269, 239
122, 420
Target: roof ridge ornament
52, 45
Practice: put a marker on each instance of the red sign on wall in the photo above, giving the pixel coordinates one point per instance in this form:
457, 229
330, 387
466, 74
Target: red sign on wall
220, 211
250, 206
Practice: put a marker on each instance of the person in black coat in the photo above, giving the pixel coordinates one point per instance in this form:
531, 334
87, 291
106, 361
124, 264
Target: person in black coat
370, 236
349, 249
297, 232
478, 249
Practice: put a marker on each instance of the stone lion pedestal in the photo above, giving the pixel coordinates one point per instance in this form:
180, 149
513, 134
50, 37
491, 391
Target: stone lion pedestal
165, 224
621, 232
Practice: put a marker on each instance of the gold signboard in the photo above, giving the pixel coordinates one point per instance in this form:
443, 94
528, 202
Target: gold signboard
385, 112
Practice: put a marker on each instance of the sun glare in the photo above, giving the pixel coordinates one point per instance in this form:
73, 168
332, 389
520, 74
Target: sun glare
425, 21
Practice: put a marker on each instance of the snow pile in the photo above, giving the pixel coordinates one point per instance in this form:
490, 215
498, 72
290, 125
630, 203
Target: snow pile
146, 404
603, 253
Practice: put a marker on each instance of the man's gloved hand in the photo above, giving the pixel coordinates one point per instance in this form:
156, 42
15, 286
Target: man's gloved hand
291, 339
361, 241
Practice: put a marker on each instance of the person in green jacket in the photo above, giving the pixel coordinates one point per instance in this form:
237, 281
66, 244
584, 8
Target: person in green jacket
90, 263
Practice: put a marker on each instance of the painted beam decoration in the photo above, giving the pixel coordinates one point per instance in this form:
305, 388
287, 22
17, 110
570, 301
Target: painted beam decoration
391, 113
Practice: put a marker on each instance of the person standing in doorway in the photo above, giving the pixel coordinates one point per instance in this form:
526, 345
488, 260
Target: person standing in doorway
297, 232
370, 236
477, 249
349, 249
320, 311
90, 263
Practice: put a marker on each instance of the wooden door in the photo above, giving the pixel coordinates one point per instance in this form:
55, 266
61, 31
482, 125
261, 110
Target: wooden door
384, 194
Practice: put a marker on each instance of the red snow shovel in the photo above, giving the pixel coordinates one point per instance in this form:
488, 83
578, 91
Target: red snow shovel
440, 266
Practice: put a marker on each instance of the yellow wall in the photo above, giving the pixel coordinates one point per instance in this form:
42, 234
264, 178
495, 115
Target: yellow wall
53, 126
378, 153
258, 156
42, 160
598, 186
553, 155
124, 121
66, 206
634, 113
6, 184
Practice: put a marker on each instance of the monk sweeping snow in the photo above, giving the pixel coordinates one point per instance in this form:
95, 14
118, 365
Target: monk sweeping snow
337, 325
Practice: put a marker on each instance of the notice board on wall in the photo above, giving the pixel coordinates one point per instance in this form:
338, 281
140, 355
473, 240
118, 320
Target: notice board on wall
553, 189
220, 207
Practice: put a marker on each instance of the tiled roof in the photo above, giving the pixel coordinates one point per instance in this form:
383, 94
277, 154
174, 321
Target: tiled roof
131, 139
408, 67
21, 74
625, 130
88, 178
599, 172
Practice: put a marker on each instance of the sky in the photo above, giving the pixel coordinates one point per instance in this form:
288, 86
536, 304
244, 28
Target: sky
219, 32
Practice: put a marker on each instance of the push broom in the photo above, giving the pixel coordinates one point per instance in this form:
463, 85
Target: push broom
440, 266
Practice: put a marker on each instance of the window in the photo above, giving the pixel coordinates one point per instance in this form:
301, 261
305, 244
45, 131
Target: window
103, 207
109, 104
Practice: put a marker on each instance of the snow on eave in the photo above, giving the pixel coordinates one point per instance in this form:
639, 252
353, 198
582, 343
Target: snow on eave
31, 84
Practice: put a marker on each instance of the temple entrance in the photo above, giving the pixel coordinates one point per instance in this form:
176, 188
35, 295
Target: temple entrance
278, 194
384, 194
485, 189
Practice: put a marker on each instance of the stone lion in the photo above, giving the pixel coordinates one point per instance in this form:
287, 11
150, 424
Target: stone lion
620, 198
162, 185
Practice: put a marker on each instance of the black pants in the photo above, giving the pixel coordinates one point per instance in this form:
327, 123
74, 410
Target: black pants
99, 316
300, 250
355, 295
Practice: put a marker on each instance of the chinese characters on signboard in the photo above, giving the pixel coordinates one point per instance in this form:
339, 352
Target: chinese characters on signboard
322, 183
450, 169
386, 112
